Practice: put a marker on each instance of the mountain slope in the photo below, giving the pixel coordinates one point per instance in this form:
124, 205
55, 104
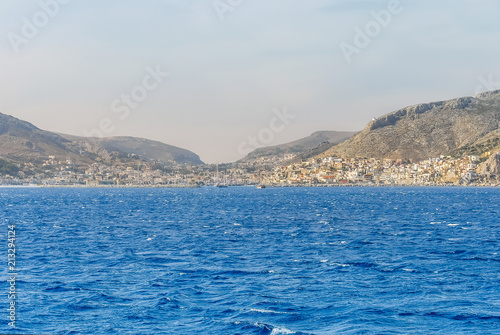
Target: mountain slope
426, 130
145, 149
21, 141
302, 145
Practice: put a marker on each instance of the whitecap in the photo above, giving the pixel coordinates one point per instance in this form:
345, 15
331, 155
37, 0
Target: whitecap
281, 330
340, 264
265, 311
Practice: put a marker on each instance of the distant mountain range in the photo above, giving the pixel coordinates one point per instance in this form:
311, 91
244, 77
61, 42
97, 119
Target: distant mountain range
20, 141
469, 125
464, 125
323, 139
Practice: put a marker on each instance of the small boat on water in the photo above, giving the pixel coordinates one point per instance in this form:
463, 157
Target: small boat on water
218, 181
261, 186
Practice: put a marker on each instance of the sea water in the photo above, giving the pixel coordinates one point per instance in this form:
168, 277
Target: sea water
253, 261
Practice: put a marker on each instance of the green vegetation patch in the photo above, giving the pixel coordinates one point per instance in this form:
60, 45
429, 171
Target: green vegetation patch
477, 149
8, 168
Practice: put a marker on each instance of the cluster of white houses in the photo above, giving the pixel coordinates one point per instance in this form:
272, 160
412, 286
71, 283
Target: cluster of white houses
343, 171
444, 170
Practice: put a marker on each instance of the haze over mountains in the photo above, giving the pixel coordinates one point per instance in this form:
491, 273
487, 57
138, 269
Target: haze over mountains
458, 126
325, 138
20, 141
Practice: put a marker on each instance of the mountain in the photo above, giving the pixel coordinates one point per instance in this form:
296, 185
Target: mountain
134, 146
20, 141
325, 139
428, 130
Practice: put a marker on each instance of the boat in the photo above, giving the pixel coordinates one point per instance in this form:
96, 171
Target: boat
218, 183
261, 186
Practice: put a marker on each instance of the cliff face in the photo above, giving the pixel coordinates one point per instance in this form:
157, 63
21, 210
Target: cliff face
425, 130
491, 166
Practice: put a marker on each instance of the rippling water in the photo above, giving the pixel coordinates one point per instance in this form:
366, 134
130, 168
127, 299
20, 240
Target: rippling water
248, 261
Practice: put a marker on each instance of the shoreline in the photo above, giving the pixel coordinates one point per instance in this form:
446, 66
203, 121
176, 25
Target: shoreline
247, 186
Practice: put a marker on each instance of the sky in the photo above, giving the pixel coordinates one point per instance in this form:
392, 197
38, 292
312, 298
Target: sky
223, 77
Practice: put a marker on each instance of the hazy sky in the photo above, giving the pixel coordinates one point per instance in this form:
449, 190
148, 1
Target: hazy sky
76, 65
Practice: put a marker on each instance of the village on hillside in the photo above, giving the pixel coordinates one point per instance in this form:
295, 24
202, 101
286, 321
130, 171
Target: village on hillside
475, 170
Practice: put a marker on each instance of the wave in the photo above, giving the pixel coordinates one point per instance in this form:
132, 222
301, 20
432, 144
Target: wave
265, 329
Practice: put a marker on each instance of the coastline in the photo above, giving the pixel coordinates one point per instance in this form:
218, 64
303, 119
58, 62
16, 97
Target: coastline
495, 185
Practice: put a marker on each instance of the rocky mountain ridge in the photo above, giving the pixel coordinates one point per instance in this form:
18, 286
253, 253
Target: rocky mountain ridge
426, 130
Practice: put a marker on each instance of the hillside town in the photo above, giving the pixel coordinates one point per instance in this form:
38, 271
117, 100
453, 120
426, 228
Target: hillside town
443, 170
328, 171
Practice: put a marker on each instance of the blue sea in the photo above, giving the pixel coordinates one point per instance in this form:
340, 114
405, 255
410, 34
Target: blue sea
253, 261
